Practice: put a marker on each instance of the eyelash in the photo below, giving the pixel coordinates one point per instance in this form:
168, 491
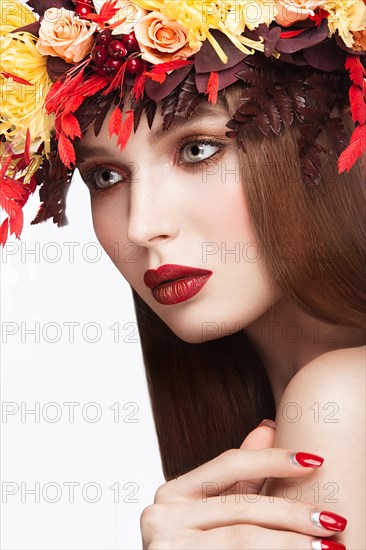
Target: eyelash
88, 173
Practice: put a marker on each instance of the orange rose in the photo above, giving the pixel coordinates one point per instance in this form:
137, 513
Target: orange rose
162, 39
291, 11
63, 34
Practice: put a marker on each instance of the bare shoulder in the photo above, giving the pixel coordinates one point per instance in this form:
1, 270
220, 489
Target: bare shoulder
327, 395
322, 411
346, 357
339, 373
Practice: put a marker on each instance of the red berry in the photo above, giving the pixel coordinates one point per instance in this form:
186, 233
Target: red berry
117, 49
113, 65
83, 10
99, 55
135, 66
130, 42
101, 70
104, 38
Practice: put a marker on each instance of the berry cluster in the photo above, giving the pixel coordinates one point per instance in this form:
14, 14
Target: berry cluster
112, 51
84, 7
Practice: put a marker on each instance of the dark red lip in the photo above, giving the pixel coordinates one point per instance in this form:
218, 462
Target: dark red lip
171, 272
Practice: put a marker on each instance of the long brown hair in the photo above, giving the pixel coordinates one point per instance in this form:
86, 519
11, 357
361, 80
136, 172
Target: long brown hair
207, 397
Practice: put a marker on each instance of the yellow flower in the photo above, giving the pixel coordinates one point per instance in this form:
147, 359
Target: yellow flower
23, 104
230, 17
345, 17
14, 15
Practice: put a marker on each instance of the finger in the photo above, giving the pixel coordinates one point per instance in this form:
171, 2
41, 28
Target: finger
262, 437
243, 537
268, 512
220, 473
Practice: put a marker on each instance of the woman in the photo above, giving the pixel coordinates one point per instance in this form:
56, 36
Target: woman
263, 212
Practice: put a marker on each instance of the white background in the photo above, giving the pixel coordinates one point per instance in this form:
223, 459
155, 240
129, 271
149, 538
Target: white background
51, 287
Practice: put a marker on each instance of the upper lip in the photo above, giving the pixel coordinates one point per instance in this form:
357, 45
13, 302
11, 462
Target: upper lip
171, 272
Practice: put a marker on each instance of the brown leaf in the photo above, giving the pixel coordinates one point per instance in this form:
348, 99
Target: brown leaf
283, 102
263, 122
169, 107
189, 97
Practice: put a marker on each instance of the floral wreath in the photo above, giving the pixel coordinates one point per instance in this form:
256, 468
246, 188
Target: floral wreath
66, 63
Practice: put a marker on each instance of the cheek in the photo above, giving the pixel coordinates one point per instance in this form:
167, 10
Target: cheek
109, 223
229, 218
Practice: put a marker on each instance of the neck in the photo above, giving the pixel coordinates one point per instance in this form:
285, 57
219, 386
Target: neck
287, 339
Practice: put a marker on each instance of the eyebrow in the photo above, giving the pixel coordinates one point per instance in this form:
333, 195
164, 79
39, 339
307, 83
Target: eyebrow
179, 123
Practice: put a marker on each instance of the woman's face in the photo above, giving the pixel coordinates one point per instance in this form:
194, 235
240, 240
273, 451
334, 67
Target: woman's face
176, 197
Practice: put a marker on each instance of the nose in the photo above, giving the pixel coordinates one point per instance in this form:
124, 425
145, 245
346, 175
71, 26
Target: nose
152, 217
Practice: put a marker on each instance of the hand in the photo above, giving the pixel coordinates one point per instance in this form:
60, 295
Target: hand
261, 437
199, 510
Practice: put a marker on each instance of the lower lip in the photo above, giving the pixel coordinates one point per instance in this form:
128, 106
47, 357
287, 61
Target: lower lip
179, 291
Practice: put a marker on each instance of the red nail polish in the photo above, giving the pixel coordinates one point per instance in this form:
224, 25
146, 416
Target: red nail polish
332, 521
331, 545
307, 460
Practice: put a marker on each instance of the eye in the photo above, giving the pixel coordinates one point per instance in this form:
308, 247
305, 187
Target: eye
106, 177
198, 151
99, 177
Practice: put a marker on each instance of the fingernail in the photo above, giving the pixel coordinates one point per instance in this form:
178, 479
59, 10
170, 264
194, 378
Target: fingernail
267, 422
329, 520
323, 544
307, 460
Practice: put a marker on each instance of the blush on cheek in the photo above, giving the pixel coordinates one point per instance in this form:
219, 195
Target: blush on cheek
105, 227
110, 226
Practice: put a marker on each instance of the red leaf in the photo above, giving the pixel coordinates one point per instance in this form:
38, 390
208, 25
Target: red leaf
356, 69
358, 105
5, 165
139, 86
13, 195
115, 122
163, 68
213, 87
291, 34
58, 127
16, 223
16, 78
355, 149
117, 80
58, 98
51, 98
92, 86
74, 103
125, 130
107, 12
156, 77
70, 126
4, 231
66, 151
